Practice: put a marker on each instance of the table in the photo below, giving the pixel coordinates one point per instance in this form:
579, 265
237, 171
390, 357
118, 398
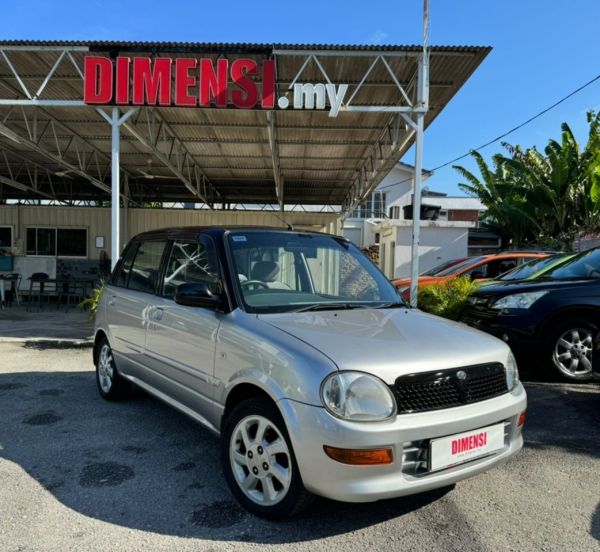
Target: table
62, 287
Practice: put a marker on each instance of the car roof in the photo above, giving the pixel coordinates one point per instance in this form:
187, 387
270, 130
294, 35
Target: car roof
174, 231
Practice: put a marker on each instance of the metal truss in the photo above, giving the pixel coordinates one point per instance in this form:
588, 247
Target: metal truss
403, 124
35, 97
274, 144
153, 132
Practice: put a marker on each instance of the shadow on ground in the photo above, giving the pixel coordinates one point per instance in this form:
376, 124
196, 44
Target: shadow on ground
140, 464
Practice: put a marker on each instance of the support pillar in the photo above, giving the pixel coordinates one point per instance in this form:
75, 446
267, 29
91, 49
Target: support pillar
115, 228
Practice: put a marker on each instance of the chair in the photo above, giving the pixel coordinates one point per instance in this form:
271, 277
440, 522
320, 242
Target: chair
267, 272
15, 285
38, 279
70, 290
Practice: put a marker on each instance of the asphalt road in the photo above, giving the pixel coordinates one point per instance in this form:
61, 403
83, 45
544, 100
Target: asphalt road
78, 473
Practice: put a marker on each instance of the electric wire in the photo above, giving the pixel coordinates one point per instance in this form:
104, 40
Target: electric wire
503, 135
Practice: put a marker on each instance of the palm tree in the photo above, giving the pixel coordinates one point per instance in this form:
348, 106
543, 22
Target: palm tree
501, 191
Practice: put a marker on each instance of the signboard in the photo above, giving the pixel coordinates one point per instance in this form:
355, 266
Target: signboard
199, 82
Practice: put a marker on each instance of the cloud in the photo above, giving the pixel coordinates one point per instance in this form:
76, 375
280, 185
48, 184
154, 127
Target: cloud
378, 37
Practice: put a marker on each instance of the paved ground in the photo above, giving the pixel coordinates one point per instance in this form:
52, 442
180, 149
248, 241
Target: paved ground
78, 473
17, 324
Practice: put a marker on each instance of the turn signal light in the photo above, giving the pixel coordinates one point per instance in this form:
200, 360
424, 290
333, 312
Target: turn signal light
360, 457
522, 419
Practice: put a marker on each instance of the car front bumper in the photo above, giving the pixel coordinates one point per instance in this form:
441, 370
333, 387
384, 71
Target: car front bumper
408, 436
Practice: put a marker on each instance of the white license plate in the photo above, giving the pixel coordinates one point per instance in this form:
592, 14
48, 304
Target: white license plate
456, 449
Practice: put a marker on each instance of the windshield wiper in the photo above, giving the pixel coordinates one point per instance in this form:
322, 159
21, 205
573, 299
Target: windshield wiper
331, 306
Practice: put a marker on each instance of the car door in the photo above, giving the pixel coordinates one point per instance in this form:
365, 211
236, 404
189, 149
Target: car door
129, 298
181, 340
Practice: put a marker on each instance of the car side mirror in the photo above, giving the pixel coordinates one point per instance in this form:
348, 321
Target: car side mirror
198, 294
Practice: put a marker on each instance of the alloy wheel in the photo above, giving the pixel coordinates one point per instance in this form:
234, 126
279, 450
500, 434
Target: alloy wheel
105, 368
573, 353
260, 460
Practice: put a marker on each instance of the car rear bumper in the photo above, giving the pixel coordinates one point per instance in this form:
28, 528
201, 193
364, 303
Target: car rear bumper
408, 436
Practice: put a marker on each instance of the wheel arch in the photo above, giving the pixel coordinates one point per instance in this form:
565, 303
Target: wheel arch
593, 313
241, 392
98, 338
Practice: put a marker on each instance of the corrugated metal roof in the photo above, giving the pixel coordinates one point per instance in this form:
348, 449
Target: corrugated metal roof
319, 156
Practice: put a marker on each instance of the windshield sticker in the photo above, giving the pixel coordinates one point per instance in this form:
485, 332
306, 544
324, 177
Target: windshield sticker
239, 238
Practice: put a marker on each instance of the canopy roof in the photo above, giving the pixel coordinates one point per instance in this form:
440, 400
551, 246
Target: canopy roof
53, 146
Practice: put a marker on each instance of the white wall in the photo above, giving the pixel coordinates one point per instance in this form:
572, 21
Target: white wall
439, 242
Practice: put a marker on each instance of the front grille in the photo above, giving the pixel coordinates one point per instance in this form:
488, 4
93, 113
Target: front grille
426, 391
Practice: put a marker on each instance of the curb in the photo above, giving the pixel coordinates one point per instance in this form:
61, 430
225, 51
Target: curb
49, 342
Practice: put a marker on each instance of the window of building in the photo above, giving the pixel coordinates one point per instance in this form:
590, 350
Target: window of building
57, 242
374, 206
6, 238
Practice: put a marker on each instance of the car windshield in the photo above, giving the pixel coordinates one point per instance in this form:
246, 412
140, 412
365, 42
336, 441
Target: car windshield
292, 271
442, 266
460, 267
584, 265
529, 269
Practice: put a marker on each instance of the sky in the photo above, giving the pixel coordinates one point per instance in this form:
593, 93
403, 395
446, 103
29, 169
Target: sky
542, 51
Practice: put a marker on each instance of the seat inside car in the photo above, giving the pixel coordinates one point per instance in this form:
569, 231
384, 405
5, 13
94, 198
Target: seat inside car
267, 272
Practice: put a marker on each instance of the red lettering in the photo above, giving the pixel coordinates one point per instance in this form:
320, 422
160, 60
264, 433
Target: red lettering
183, 82
97, 80
122, 84
268, 84
484, 439
151, 83
247, 97
212, 84
454, 447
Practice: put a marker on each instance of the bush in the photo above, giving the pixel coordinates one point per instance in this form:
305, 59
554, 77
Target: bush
91, 303
447, 299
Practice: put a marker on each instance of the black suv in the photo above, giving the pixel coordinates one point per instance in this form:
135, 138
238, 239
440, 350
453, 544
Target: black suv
552, 320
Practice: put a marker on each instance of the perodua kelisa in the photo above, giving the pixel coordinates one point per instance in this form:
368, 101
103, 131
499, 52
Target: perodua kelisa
298, 351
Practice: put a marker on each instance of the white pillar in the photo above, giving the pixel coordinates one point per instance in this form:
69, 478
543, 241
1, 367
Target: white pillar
115, 245
423, 102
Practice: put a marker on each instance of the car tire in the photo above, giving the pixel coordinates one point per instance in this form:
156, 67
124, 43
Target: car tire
111, 385
568, 347
266, 482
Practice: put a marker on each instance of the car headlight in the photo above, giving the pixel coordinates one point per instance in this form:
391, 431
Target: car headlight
519, 300
512, 372
357, 396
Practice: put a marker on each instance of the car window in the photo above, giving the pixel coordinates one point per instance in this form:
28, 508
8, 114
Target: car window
284, 271
190, 262
146, 266
528, 269
584, 265
500, 266
460, 268
122, 276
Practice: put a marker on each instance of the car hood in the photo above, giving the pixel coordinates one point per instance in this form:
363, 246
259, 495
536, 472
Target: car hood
524, 286
390, 342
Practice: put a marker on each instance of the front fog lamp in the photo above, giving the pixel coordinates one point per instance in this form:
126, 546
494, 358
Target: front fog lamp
357, 396
512, 372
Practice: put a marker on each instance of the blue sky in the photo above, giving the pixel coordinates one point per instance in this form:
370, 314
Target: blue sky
543, 49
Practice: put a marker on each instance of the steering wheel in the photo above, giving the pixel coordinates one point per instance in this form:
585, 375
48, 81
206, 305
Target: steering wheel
256, 283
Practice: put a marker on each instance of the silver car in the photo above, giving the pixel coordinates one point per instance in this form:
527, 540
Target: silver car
299, 353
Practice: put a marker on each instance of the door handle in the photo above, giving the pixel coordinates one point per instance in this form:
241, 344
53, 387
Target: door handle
157, 313
112, 300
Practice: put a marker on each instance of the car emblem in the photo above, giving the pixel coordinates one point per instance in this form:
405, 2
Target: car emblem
461, 375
